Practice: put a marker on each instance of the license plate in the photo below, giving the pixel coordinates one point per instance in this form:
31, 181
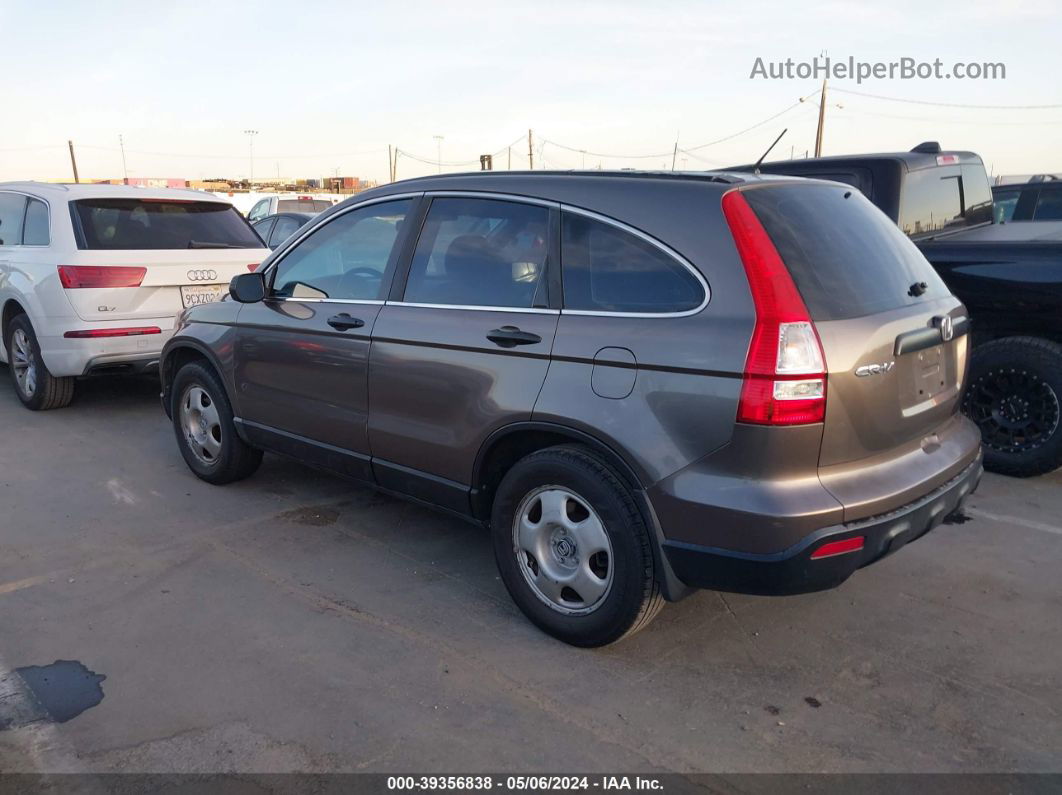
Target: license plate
196, 294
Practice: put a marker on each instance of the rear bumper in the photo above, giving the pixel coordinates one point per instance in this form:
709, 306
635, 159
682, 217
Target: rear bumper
68, 356
793, 570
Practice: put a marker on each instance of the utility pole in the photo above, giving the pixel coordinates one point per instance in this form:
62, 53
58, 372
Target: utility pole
822, 121
674, 154
125, 171
73, 161
438, 150
530, 152
509, 165
250, 138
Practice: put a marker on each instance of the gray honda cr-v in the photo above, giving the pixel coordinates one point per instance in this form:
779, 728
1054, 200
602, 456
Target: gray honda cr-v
641, 383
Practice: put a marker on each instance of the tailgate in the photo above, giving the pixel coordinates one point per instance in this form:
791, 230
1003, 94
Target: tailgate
171, 280
894, 340
892, 378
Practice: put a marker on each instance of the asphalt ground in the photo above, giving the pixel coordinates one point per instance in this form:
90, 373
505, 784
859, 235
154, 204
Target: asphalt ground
295, 621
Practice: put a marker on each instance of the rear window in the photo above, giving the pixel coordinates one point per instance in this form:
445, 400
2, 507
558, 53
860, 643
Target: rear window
944, 199
112, 224
302, 205
846, 257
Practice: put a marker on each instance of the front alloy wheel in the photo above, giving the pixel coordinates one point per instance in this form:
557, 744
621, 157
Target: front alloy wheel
201, 424
205, 428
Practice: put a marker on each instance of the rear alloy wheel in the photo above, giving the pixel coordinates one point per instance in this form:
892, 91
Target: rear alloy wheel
37, 388
562, 550
1014, 397
205, 430
573, 549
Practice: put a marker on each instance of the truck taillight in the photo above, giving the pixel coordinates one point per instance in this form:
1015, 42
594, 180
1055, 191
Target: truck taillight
75, 277
785, 370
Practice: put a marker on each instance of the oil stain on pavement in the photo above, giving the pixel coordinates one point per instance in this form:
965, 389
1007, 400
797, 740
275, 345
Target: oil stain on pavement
64, 689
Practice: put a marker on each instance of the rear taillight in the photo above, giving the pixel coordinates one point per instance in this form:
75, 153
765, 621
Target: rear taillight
785, 371
100, 333
74, 277
253, 266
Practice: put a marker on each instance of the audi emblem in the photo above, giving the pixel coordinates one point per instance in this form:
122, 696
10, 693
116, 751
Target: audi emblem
202, 276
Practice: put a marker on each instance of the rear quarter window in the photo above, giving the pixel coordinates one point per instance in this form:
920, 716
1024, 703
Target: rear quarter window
608, 269
145, 224
35, 231
846, 257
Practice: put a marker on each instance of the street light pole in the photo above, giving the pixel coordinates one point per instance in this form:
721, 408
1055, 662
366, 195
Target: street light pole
250, 144
438, 150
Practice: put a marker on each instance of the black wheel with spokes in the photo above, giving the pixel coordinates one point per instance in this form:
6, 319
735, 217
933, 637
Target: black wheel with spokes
1014, 396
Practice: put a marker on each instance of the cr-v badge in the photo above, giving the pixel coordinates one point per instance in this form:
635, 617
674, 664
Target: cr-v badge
874, 369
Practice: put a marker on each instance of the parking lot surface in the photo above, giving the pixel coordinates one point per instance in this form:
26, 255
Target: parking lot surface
297, 622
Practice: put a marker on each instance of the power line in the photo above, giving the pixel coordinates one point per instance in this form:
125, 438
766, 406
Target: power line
845, 110
434, 161
361, 153
687, 149
947, 104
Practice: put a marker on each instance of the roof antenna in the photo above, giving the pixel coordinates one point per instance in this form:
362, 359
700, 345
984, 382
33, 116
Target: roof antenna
756, 168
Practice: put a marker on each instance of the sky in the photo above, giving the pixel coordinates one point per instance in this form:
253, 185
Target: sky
329, 85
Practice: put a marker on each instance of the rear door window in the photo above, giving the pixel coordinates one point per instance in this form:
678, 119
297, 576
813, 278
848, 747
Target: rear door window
119, 224
1049, 205
480, 252
12, 214
262, 228
846, 257
1005, 202
285, 228
346, 259
608, 269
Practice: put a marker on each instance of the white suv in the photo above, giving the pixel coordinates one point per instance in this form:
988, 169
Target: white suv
92, 277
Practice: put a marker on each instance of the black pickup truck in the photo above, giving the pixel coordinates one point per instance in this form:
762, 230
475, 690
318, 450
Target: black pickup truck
1008, 275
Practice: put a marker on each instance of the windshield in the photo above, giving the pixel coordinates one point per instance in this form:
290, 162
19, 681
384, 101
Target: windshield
113, 224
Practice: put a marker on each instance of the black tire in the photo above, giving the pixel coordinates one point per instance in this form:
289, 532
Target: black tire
232, 458
633, 598
43, 391
1014, 395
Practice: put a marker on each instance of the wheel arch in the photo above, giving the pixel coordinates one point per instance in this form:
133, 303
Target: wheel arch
179, 353
12, 309
507, 445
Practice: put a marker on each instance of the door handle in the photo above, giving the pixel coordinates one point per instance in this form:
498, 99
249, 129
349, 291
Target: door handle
344, 322
511, 336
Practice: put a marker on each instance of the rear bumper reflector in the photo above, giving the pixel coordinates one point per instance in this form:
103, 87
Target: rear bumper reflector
838, 548
99, 333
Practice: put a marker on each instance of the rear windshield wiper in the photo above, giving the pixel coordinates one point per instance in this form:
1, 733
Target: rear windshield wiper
210, 244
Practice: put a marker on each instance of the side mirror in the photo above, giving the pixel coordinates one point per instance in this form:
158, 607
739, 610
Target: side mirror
248, 288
